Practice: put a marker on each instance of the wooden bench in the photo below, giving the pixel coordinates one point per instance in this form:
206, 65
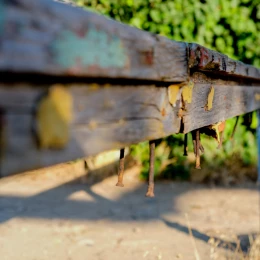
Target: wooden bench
74, 84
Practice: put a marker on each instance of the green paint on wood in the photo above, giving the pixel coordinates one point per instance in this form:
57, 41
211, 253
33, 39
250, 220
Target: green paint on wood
94, 48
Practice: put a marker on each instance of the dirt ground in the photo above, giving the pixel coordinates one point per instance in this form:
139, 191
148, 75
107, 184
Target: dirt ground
58, 216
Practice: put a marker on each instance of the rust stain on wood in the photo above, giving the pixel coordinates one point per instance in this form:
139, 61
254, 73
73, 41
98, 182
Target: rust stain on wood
148, 57
163, 112
198, 56
203, 58
209, 104
53, 118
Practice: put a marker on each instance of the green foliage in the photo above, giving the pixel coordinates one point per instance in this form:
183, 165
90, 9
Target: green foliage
231, 27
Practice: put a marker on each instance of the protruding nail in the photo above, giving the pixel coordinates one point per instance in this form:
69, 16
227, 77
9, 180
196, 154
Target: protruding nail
121, 168
185, 147
234, 128
150, 190
220, 140
197, 147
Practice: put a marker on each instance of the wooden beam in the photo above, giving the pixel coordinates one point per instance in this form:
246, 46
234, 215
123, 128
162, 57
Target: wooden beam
230, 98
104, 117
117, 85
55, 39
51, 38
107, 116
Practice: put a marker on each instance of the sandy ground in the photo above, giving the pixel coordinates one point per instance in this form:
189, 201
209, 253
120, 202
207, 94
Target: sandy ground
43, 216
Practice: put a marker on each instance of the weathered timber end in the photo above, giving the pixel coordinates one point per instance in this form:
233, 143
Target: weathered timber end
74, 83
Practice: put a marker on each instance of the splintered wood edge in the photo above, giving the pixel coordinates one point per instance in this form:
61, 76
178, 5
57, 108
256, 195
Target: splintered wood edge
204, 59
225, 102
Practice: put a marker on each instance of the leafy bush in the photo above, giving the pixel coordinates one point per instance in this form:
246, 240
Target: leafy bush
231, 27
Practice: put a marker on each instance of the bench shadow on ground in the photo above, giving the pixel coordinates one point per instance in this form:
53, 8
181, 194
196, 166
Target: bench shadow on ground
54, 203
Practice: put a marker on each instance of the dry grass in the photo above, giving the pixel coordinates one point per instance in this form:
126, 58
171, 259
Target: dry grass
229, 249
233, 251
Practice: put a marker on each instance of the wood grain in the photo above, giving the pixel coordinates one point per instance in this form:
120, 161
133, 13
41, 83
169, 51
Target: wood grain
165, 87
51, 38
230, 99
114, 116
104, 118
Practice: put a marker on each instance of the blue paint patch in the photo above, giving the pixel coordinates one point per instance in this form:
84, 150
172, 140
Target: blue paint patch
2, 16
95, 48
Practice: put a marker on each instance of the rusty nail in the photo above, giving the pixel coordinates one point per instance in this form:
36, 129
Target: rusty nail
235, 128
121, 168
197, 147
220, 140
150, 190
185, 151
2, 133
201, 148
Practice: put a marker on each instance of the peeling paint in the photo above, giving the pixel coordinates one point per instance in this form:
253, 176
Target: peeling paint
96, 47
92, 125
173, 91
53, 118
218, 128
209, 104
187, 92
94, 86
257, 97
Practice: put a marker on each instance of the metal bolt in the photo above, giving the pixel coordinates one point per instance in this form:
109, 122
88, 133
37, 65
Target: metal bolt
150, 190
121, 168
185, 151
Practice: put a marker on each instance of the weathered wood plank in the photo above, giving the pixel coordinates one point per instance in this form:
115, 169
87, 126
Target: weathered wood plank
107, 117
103, 118
229, 99
42, 124
52, 38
